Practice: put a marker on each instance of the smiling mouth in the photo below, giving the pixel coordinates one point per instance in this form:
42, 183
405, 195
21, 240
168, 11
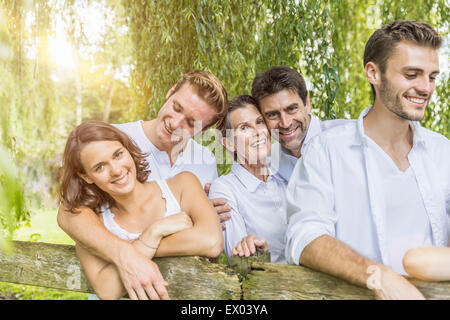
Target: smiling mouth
415, 100
121, 180
289, 133
167, 130
259, 143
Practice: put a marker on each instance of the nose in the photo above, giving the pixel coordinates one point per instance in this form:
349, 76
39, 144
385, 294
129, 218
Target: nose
176, 122
285, 121
114, 169
425, 86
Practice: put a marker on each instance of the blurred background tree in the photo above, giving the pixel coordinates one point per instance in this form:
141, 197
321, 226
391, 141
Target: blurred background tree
63, 62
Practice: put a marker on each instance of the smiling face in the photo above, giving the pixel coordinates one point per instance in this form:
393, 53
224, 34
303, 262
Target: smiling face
287, 117
250, 139
408, 83
109, 166
183, 114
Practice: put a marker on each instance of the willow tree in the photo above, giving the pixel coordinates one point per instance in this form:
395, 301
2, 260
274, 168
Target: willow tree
236, 39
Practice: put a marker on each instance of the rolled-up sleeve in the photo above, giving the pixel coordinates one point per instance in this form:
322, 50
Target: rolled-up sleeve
310, 208
235, 227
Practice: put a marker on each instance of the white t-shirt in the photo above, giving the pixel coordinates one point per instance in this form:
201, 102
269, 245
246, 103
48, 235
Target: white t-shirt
194, 158
407, 222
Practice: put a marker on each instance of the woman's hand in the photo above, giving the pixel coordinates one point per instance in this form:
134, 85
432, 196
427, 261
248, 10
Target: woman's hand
166, 226
249, 245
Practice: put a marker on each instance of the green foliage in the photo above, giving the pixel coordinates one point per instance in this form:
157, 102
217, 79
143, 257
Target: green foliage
157, 41
12, 208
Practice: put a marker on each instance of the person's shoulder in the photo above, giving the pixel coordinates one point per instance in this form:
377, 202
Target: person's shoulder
127, 125
337, 134
184, 177
434, 137
436, 144
224, 183
328, 124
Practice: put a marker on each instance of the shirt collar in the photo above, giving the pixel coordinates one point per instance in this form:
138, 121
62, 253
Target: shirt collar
246, 178
361, 137
314, 129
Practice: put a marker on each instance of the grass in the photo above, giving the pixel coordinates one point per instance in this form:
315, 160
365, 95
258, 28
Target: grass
44, 228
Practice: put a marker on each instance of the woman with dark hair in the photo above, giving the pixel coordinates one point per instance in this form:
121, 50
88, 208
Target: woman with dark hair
256, 196
104, 171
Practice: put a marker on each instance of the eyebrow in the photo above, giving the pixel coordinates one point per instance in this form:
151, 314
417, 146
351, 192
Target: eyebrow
103, 162
406, 69
240, 123
178, 105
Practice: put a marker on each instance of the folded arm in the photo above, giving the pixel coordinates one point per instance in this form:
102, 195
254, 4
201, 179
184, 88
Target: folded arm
205, 236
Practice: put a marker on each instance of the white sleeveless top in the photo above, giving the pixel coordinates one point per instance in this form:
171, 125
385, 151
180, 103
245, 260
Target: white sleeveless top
172, 207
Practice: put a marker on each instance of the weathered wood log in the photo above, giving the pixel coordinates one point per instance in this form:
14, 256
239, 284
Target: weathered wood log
243, 265
195, 278
57, 266
269, 281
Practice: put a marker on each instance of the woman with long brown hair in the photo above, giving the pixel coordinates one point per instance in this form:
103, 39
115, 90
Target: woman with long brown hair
104, 171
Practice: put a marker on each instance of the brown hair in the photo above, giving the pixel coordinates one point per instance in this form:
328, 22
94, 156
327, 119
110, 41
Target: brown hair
383, 41
276, 79
74, 191
210, 88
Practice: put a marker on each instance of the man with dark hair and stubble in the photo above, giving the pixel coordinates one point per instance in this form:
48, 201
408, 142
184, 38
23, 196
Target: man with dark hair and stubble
366, 192
283, 100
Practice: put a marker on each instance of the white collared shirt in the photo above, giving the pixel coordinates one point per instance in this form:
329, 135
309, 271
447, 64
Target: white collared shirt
194, 158
336, 190
282, 163
258, 208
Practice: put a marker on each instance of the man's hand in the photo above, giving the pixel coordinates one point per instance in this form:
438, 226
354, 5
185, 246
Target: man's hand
249, 245
221, 207
141, 276
388, 285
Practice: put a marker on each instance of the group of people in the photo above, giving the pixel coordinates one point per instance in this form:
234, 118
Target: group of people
342, 197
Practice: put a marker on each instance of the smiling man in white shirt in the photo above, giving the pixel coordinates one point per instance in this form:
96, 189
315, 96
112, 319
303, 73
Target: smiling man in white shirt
283, 100
366, 192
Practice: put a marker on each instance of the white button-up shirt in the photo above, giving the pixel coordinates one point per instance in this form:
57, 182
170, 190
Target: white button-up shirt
282, 163
194, 158
258, 208
336, 190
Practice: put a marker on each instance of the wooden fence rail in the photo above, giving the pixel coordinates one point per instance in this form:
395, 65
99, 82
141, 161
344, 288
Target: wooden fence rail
194, 278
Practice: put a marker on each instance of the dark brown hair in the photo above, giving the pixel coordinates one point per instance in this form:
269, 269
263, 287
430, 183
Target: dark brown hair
383, 41
276, 79
208, 87
74, 191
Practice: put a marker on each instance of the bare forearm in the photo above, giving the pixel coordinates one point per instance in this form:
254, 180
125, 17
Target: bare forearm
331, 256
192, 242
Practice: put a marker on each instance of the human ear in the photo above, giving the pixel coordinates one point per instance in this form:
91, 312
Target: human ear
85, 178
228, 144
308, 104
373, 74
